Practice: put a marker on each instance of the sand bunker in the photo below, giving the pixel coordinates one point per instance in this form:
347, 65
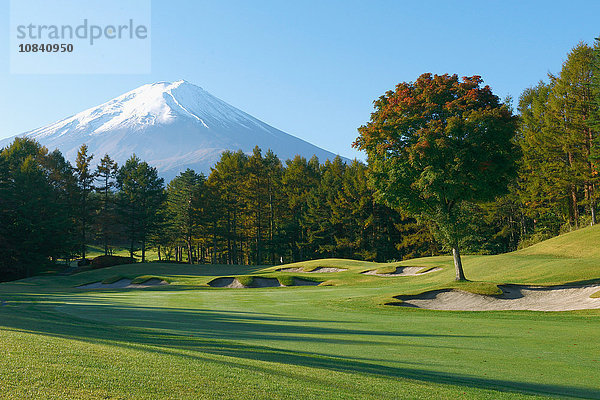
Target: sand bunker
305, 282
316, 270
124, 284
404, 271
257, 282
226, 283
513, 297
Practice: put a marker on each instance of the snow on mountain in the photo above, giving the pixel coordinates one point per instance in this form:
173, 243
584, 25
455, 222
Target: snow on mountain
172, 126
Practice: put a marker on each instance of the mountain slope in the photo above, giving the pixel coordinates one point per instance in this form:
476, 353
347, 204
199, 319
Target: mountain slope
172, 126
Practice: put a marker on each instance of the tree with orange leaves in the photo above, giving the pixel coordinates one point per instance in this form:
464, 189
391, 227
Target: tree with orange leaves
436, 145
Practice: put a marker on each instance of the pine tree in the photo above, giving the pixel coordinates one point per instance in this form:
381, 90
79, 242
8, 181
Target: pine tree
227, 179
85, 183
543, 189
324, 234
299, 178
351, 214
275, 204
570, 112
257, 199
594, 125
142, 195
106, 173
184, 202
558, 136
36, 188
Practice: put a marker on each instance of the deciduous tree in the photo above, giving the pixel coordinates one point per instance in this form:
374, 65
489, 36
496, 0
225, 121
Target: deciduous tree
439, 143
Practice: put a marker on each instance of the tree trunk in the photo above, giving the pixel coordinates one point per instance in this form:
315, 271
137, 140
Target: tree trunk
189, 251
143, 251
83, 227
214, 249
460, 275
258, 223
271, 222
105, 208
229, 250
159, 253
575, 207
589, 144
233, 233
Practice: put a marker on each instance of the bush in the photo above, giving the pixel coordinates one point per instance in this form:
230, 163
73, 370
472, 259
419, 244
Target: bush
109, 261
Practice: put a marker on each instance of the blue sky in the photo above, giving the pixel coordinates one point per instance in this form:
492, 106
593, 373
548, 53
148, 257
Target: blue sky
313, 68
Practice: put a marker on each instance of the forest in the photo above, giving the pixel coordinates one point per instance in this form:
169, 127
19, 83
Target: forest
258, 209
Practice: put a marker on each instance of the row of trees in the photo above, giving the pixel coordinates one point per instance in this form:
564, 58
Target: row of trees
50, 210
256, 210
440, 148
436, 148
560, 120
251, 209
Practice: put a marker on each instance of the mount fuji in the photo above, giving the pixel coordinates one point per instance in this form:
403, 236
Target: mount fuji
172, 126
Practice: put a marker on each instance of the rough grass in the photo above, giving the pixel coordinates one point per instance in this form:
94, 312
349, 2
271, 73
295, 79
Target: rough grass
187, 341
483, 288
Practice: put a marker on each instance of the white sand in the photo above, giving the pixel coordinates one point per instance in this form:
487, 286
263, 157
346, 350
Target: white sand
124, 284
534, 298
316, 270
404, 271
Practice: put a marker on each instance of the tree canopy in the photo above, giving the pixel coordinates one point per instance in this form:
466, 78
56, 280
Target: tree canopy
436, 144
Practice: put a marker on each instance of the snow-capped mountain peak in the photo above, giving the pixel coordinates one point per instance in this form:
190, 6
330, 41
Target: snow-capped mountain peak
172, 125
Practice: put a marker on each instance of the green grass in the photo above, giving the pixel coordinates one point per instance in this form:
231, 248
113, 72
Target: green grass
484, 288
286, 280
189, 341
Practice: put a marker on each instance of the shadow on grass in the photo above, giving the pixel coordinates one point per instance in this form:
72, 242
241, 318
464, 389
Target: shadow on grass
192, 333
